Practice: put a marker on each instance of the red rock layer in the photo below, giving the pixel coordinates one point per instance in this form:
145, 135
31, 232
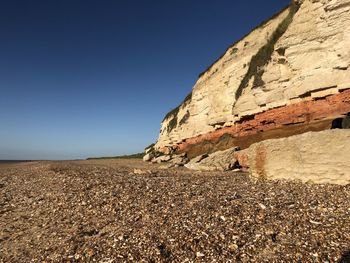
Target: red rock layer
310, 115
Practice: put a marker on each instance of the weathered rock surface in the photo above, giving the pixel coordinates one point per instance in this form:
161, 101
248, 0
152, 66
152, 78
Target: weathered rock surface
276, 123
162, 159
148, 157
319, 157
218, 161
179, 160
288, 76
172, 160
346, 122
199, 158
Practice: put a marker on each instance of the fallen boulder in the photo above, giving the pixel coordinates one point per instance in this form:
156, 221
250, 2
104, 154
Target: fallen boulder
220, 161
161, 159
179, 160
199, 158
318, 157
148, 157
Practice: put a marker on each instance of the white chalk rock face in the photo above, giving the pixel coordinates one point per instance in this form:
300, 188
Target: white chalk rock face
318, 157
301, 53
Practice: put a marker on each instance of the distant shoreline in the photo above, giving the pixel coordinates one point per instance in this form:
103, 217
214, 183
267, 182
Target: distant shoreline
14, 161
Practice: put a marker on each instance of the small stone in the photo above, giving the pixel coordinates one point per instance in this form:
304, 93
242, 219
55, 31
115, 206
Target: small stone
235, 237
199, 255
166, 166
233, 247
315, 222
138, 171
90, 252
262, 206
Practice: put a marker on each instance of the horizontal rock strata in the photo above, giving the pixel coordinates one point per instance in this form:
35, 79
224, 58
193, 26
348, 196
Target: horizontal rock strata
308, 115
288, 76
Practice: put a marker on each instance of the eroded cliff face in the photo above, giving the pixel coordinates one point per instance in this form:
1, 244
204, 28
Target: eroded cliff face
288, 76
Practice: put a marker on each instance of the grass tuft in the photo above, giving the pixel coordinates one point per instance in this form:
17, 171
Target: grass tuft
185, 118
173, 113
263, 56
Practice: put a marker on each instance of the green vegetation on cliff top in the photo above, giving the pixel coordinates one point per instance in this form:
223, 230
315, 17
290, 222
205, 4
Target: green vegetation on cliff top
131, 156
173, 113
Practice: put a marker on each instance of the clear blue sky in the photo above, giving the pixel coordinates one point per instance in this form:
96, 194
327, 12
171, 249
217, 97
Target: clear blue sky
95, 78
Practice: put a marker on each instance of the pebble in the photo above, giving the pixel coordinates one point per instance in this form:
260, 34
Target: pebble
262, 206
233, 247
220, 218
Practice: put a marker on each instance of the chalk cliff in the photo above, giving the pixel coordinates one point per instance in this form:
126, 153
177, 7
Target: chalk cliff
288, 76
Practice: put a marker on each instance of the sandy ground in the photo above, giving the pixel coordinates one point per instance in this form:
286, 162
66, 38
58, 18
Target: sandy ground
106, 211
